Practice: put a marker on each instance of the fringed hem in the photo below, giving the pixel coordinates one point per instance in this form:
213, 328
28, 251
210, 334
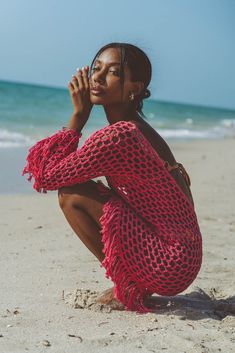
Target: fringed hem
39, 154
127, 291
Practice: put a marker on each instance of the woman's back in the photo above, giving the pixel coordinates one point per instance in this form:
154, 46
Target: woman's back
164, 152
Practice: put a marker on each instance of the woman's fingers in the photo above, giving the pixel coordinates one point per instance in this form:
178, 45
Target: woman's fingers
85, 77
80, 81
72, 89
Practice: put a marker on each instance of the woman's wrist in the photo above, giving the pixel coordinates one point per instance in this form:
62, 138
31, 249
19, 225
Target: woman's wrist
77, 121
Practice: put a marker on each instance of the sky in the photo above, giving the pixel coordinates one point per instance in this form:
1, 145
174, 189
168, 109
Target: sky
190, 43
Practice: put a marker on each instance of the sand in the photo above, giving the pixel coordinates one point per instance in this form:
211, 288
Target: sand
49, 280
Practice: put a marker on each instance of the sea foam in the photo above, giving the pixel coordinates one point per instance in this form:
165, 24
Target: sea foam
14, 139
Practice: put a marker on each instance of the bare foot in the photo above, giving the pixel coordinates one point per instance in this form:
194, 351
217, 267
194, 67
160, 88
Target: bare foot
107, 298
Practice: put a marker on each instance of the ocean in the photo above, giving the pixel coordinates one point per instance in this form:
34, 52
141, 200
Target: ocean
30, 112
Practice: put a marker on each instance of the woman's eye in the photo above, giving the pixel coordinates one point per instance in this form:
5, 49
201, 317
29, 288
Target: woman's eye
116, 73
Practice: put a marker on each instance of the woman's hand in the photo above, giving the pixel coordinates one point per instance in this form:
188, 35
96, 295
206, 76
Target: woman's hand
79, 89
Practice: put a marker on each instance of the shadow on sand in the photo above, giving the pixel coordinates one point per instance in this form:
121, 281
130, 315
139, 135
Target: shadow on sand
196, 305
193, 306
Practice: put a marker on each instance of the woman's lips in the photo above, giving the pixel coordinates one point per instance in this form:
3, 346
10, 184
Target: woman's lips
97, 91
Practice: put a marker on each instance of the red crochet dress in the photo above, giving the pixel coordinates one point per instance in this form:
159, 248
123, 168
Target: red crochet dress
152, 241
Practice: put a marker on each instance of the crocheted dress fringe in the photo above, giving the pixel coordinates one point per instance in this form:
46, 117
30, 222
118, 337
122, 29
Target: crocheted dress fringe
38, 154
128, 292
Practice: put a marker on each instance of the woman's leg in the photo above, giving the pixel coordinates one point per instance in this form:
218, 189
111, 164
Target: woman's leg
82, 206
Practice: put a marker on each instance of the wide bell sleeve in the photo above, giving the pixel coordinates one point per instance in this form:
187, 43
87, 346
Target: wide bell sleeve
55, 161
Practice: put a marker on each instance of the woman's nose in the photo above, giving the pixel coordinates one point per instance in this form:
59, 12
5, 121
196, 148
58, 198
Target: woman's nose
98, 77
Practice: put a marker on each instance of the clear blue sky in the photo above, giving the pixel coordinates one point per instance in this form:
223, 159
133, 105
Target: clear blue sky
191, 43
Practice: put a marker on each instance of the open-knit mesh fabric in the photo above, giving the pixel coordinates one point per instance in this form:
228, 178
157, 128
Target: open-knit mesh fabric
152, 241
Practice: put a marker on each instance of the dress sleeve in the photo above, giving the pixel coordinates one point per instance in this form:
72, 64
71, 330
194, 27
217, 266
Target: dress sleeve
55, 161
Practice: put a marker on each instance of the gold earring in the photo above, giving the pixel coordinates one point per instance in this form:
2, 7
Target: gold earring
131, 96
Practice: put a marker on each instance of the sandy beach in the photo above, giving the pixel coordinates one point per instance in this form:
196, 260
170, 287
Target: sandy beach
46, 272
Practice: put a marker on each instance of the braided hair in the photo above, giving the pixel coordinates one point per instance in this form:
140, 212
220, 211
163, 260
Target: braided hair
139, 66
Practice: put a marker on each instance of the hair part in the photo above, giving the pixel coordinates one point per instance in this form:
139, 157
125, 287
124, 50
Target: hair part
140, 68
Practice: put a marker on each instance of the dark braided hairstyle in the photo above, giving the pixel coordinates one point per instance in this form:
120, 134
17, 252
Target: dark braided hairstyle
139, 66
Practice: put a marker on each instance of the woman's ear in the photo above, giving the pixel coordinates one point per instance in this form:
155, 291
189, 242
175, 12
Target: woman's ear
139, 86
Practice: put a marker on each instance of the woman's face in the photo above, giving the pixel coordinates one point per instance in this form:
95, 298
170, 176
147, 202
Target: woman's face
105, 77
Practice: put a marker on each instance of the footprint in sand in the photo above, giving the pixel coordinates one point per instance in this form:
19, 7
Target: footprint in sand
92, 300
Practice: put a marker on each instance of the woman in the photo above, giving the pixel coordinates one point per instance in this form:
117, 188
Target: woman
142, 228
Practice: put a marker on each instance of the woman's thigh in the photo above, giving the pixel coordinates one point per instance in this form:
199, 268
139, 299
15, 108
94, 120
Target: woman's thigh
85, 196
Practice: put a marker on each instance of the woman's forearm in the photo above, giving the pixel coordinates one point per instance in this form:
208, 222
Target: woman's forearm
76, 122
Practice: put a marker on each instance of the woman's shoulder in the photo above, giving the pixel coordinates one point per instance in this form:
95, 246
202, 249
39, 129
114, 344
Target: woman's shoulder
121, 126
155, 140
114, 132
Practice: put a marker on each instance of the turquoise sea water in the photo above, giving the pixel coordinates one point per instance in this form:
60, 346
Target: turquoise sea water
30, 112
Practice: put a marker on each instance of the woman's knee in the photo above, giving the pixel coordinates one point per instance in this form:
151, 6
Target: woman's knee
73, 196
64, 199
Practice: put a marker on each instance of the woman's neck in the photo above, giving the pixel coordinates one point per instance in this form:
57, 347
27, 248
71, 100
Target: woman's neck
119, 114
